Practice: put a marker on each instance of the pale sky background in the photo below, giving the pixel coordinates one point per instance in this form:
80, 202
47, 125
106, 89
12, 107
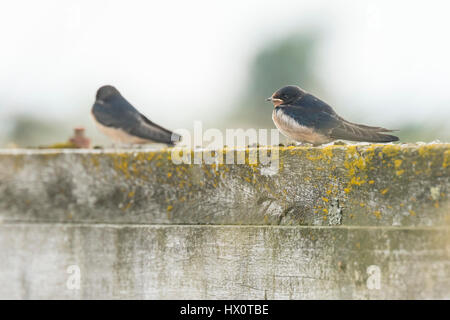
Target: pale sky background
385, 62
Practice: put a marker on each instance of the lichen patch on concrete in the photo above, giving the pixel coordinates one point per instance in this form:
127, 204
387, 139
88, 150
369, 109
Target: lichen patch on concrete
371, 184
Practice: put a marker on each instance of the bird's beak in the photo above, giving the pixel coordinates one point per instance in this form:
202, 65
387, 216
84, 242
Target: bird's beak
275, 101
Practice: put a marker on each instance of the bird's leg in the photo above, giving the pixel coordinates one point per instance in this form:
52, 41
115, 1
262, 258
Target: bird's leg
117, 146
136, 146
328, 144
339, 143
130, 146
301, 144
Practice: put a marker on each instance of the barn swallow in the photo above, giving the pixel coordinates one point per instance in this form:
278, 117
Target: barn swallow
304, 118
120, 121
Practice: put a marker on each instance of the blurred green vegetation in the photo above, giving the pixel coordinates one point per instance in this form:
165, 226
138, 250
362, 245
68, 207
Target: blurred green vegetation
32, 131
289, 60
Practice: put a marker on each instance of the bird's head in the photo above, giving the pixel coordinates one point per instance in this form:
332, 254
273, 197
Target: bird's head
286, 95
106, 92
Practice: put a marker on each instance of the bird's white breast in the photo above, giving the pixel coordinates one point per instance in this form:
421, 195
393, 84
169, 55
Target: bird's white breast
119, 135
293, 130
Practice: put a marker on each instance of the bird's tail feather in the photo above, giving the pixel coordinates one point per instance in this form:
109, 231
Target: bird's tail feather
167, 137
379, 137
361, 133
175, 138
366, 127
376, 134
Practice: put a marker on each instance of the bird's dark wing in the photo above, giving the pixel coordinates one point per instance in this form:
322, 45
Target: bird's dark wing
312, 103
333, 126
119, 113
152, 128
312, 118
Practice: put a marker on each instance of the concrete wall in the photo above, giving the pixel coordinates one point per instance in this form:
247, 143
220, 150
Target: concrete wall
362, 222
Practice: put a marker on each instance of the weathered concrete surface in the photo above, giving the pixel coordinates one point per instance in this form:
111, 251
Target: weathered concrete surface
223, 262
139, 226
394, 185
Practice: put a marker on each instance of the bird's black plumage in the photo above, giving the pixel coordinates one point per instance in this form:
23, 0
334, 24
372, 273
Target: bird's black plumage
305, 118
112, 110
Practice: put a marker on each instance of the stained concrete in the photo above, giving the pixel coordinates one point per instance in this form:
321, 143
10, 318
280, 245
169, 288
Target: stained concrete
392, 185
223, 262
138, 226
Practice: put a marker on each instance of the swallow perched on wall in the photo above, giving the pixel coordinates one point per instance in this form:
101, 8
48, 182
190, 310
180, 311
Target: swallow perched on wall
304, 118
120, 121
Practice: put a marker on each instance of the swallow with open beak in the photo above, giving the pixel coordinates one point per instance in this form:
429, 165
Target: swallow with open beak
120, 121
304, 118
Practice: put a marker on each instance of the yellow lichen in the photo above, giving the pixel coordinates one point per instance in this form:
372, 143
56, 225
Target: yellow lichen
357, 166
446, 162
391, 150
377, 214
94, 160
127, 206
357, 181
